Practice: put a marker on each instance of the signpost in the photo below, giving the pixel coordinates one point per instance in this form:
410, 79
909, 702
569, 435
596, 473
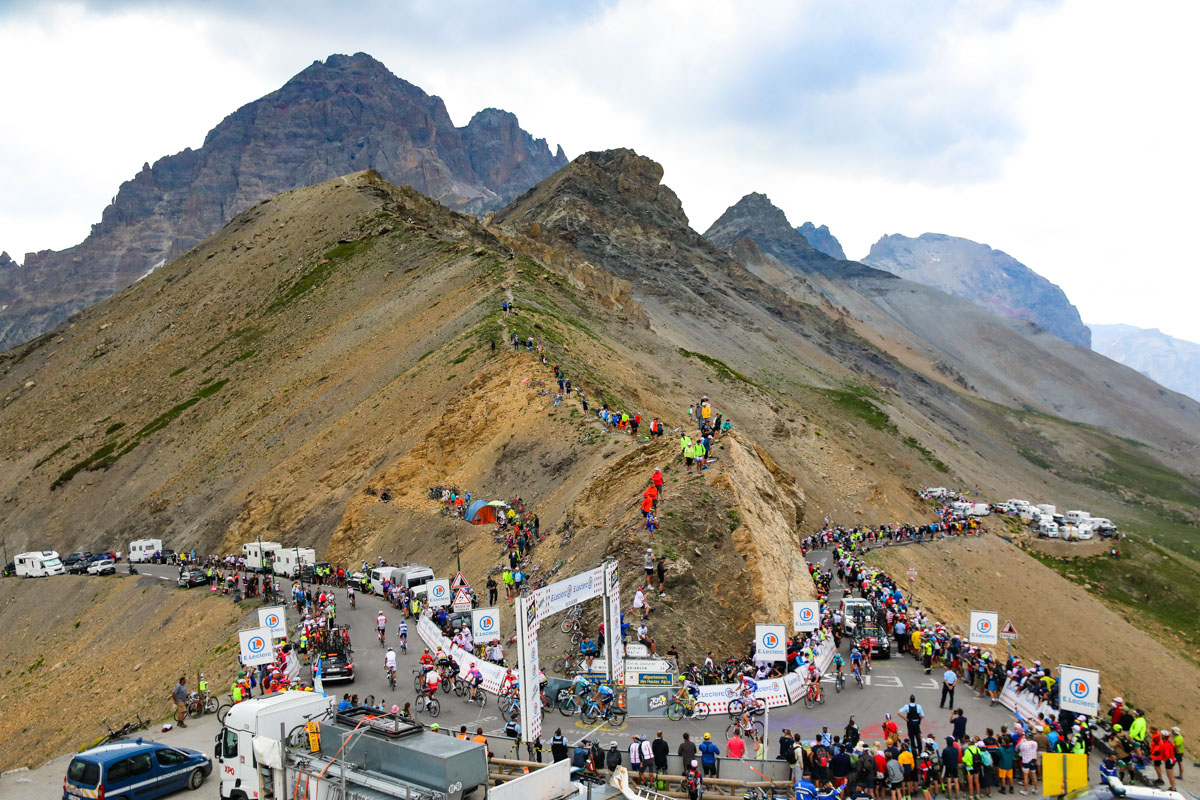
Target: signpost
439, 593
912, 573
1009, 631
274, 618
256, 647
1079, 690
462, 600
984, 627
459, 582
770, 642
485, 625
806, 615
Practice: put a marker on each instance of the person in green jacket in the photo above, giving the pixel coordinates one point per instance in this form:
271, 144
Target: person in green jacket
1177, 740
1137, 731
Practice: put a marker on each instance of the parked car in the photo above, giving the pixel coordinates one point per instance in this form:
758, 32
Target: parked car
103, 566
142, 769
192, 577
361, 581
77, 563
10, 569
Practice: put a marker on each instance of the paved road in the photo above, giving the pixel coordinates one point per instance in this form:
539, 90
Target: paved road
888, 688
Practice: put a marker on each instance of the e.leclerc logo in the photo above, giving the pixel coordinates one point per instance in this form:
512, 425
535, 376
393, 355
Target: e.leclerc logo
256, 644
486, 622
806, 614
439, 591
272, 621
770, 640
983, 625
1079, 687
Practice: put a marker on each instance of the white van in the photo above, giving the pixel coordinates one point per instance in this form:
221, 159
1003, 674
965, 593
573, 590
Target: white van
380, 574
144, 549
39, 564
290, 560
414, 575
854, 610
258, 555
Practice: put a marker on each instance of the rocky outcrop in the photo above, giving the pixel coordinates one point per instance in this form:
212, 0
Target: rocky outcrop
342, 115
1173, 363
989, 278
755, 217
823, 240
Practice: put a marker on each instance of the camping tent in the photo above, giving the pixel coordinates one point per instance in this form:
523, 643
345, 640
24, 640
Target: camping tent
480, 513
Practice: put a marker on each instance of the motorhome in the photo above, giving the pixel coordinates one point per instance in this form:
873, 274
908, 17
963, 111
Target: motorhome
39, 564
263, 744
144, 549
289, 561
259, 555
1103, 525
1048, 527
1018, 504
1046, 509
937, 492
1075, 517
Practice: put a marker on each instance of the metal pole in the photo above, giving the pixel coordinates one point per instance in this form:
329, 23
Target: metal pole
457, 550
766, 729
282, 790
342, 757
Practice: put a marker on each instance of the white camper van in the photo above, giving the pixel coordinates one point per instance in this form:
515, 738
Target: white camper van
290, 560
258, 555
144, 549
39, 564
1076, 517
1046, 510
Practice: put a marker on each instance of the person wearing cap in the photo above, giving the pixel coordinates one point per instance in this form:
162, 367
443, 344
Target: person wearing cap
1137, 731
708, 756
657, 481
1178, 744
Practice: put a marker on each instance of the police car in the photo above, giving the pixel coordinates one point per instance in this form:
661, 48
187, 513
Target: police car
134, 768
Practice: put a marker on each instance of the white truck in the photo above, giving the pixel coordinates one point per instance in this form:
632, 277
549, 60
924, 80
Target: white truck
144, 549
264, 750
39, 564
290, 560
258, 555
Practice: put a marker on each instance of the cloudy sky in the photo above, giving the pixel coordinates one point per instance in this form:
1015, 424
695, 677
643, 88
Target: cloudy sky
1061, 132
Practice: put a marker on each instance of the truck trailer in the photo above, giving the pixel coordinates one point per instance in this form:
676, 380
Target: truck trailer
295, 744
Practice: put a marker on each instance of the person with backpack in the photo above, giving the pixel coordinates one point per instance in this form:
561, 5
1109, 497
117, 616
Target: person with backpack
972, 759
693, 781
864, 769
913, 714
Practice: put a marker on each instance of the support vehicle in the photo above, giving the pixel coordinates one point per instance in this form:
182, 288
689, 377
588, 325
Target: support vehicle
141, 769
267, 744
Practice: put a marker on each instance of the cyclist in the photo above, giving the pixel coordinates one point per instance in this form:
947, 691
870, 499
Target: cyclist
604, 696
748, 687
432, 679
508, 684
580, 686
426, 662
475, 679
689, 690
381, 626
838, 664
350, 595
402, 630
389, 664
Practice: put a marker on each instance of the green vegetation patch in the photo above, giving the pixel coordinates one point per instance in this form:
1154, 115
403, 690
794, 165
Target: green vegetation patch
860, 401
177, 372
111, 429
316, 275
62, 448
933, 460
724, 371
1138, 472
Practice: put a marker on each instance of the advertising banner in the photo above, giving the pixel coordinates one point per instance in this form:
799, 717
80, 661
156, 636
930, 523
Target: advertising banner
770, 642
1078, 690
613, 646
985, 628
256, 647
439, 593
806, 615
485, 625
275, 618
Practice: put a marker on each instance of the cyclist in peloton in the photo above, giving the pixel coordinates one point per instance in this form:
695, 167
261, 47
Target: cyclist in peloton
580, 687
688, 692
856, 660
432, 679
381, 625
748, 687
603, 697
350, 595
402, 629
389, 663
838, 663
475, 679
426, 661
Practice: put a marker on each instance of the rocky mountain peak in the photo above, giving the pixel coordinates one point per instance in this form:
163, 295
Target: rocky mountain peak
989, 278
823, 240
6, 260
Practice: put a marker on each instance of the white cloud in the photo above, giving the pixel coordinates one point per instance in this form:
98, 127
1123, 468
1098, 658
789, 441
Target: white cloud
1059, 134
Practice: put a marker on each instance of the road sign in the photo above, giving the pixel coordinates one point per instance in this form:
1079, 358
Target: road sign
984, 627
912, 570
770, 642
462, 600
1079, 690
439, 593
256, 647
1009, 631
459, 582
806, 615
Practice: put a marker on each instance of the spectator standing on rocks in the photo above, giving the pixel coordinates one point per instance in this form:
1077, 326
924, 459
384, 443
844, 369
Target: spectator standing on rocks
179, 697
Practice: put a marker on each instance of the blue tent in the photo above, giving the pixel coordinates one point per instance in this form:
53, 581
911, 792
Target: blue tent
480, 513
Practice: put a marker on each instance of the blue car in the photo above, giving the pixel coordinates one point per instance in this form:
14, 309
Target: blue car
133, 770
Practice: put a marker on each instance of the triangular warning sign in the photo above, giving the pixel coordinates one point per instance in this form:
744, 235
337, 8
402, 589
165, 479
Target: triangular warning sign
459, 582
462, 596
1009, 629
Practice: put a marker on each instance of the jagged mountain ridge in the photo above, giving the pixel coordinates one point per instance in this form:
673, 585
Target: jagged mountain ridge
989, 278
823, 240
344, 114
1172, 362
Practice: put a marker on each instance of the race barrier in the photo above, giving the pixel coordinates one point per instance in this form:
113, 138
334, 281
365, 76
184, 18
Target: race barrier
493, 674
1025, 704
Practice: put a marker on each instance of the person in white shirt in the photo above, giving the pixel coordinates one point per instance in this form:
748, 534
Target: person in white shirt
389, 660
640, 604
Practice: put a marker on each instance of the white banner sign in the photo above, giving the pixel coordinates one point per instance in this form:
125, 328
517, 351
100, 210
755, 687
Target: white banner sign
485, 624
564, 594
806, 615
439, 593
614, 647
985, 627
1078, 690
275, 618
256, 647
530, 696
770, 642
493, 674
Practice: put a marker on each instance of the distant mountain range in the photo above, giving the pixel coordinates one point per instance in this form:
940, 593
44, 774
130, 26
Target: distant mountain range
340, 115
822, 239
1174, 363
989, 278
